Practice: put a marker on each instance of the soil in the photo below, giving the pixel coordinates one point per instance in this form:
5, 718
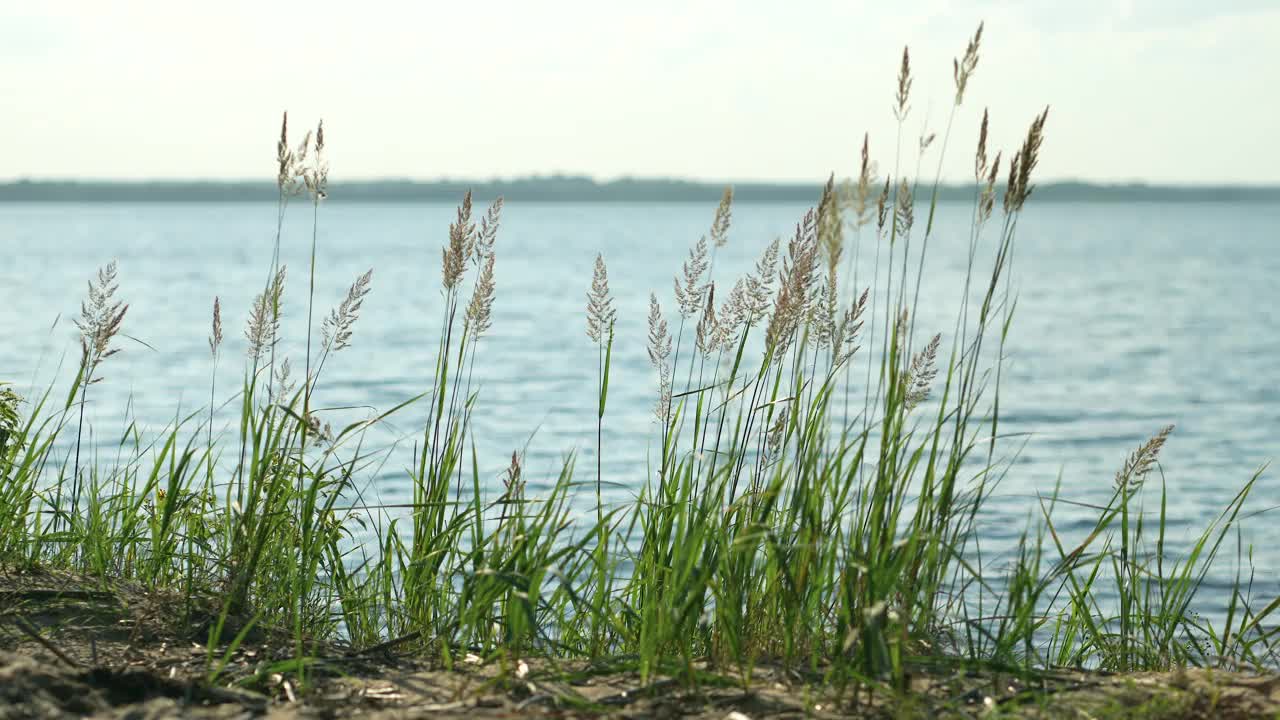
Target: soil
75, 647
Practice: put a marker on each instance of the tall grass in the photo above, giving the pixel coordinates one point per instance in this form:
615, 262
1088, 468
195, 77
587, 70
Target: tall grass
775, 526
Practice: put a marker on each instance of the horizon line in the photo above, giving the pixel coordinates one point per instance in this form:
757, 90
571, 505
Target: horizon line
611, 180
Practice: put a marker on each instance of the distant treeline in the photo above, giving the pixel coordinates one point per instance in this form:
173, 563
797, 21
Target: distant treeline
565, 188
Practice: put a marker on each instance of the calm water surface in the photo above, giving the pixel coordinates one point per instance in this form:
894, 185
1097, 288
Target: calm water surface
1129, 317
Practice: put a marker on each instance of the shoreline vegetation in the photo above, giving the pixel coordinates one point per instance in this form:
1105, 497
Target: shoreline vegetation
806, 542
583, 189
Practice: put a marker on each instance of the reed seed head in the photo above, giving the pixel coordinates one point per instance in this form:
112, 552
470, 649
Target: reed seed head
862, 191
479, 311
733, 313
283, 381
904, 210
844, 343
1024, 161
720, 225
335, 333
708, 331
461, 245
962, 69
284, 156
100, 320
263, 328
511, 479
882, 203
791, 305
316, 175
215, 335
659, 336
903, 98
488, 234
759, 285
988, 198
689, 295
1129, 478
600, 312
919, 377
980, 158
830, 225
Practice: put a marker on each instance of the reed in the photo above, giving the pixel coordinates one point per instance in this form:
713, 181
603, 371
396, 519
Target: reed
772, 528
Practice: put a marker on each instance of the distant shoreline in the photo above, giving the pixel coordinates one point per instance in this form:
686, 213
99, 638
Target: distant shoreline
576, 189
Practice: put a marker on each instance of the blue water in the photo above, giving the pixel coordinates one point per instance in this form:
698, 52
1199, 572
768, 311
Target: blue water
1129, 317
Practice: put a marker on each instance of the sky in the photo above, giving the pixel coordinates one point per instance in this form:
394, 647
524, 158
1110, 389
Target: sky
1164, 91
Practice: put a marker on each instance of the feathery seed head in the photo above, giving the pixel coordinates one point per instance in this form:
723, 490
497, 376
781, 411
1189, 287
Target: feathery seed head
963, 68
600, 312
488, 234
882, 203
461, 246
479, 310
316, 175
844, 343
830, 225
100, 321
905, 209
284, 157
902, 99
263, 328
708, 331
862, 192
923, 370
733, 313
689, 296
336, 330
215, 336
659, 336
791, 305
988, 197
720, 225
980, 159
1135, 469
759, 285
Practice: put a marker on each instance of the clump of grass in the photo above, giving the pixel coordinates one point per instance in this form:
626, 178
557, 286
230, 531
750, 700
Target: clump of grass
772, 528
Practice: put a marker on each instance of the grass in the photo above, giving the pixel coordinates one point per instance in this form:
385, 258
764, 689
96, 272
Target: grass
799, 513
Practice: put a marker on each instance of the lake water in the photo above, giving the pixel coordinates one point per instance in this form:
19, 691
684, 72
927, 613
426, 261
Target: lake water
1130, 317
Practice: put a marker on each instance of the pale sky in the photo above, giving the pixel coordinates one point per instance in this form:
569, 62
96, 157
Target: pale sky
1181, 91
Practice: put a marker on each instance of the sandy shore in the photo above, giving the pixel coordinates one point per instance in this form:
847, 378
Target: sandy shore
71, 647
